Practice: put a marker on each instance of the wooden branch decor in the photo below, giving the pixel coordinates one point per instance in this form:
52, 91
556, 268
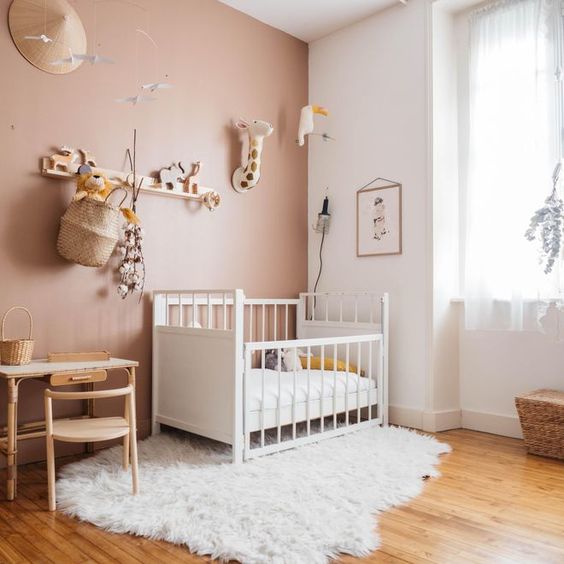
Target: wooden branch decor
65, 164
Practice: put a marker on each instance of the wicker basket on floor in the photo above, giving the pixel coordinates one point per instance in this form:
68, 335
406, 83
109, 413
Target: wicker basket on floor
15, 352
542, 419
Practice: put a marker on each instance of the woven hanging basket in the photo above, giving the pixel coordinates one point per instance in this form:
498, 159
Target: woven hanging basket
89, 231
16, 352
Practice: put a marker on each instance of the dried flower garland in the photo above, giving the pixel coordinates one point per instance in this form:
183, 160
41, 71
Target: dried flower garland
132, 265
546, 226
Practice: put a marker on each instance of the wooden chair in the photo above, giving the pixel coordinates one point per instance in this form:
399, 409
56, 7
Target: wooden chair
91, 430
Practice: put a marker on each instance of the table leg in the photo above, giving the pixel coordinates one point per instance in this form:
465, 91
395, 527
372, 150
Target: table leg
90, 388
12, 424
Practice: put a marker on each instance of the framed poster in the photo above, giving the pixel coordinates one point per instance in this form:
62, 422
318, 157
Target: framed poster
378, 220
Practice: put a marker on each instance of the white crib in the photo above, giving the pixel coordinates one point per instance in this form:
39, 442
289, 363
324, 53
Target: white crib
210, 378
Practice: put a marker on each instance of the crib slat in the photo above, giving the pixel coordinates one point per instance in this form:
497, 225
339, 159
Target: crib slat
279, 415
294, 395
370, 380
381, 381
180, 311
275, 323
193, 309
263, 322
246, 402
308, 413
262, 406
347, 367
286, 324
209, 313
334, 386
359, 361
224, 312
322, 423
251, 322
166, 305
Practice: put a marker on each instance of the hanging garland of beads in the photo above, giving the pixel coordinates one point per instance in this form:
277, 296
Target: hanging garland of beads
132, 264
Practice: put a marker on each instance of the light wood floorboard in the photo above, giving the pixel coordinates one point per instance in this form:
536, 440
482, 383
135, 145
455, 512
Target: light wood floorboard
493, 503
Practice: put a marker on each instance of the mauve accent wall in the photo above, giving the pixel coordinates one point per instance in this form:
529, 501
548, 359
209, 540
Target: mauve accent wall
223, 65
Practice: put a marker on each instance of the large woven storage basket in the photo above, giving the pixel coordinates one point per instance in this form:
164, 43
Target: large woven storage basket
89, 232
16, 352
542, 419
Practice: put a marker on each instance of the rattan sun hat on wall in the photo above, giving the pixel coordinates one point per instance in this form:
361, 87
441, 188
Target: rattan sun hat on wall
58, 21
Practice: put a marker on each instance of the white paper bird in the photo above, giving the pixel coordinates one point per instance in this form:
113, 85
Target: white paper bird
135, 99
306, 121
41, 37
152, 86
74, 57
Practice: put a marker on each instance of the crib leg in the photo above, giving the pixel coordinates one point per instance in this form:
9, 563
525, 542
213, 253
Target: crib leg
238, 451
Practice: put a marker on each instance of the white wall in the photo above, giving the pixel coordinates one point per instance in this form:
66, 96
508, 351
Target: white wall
444, 401
372, 76
375, 78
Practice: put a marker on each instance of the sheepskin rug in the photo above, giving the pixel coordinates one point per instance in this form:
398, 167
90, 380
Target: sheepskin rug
304, 505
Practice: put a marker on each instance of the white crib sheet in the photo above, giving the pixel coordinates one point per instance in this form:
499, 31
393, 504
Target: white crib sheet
287, 386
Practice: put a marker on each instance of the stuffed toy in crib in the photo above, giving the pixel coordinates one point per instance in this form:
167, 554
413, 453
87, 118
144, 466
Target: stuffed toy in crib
98, 187
301, 362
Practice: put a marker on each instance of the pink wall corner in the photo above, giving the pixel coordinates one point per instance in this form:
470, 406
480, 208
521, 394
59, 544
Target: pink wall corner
223, 65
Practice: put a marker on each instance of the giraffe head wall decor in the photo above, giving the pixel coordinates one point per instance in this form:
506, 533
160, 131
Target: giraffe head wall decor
247, 175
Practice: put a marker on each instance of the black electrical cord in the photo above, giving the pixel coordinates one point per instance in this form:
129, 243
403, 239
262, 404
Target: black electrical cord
320, 261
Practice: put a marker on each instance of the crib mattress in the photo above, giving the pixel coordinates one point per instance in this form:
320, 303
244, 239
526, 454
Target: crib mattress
321, 384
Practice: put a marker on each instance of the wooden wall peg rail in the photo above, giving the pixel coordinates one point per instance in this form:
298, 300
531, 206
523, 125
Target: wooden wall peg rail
65, 164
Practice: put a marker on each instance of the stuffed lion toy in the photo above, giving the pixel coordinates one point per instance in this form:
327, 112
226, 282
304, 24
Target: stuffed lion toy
95, 186
98, 187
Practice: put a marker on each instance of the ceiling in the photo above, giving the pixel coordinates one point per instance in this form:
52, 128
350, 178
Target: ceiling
309, 20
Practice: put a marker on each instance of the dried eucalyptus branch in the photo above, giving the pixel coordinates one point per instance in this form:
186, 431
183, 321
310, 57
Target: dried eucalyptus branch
546, 226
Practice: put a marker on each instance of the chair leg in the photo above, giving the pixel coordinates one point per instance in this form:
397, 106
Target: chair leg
126, 439
133, 443
51, 473
126, 452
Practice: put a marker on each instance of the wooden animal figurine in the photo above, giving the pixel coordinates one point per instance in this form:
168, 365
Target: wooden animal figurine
171, 175
247, 175
306, 121
88, 158
190, 184
63, 159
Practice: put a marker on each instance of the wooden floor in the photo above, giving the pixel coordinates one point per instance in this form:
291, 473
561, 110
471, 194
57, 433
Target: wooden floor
493, 503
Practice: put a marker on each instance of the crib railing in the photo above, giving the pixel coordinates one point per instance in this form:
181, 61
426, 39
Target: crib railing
272, 429
342, 307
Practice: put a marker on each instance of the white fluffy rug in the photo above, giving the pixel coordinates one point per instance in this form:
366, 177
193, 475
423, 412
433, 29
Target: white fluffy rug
303, 505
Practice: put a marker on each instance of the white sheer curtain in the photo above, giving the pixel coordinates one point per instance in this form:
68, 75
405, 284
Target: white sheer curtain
512, 153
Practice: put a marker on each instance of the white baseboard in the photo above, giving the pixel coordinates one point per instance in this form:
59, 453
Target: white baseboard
436, 421
431, 421
406, 416
505, 425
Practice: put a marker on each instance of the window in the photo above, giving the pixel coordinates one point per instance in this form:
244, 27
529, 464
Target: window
513, 146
